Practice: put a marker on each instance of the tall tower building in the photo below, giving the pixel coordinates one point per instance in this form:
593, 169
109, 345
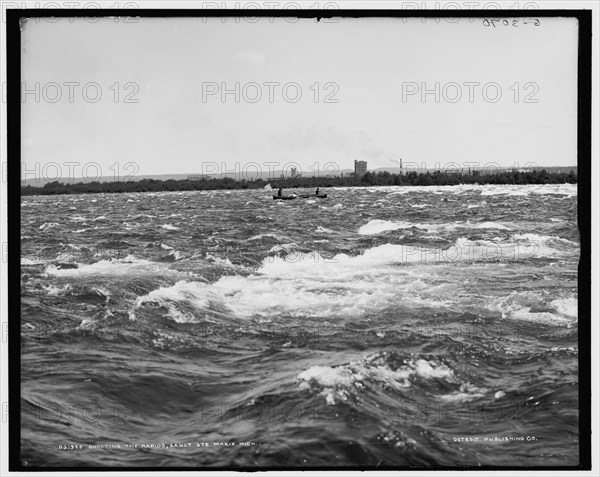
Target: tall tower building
360, 168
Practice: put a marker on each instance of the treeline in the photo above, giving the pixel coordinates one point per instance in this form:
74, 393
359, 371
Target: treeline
369, 179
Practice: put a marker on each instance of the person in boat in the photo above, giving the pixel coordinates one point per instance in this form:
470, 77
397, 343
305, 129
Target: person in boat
279, 192
317, 192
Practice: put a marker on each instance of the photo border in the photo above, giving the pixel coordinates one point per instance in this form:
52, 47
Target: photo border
584, 213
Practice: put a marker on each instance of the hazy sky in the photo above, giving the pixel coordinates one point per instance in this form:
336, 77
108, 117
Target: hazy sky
374, 69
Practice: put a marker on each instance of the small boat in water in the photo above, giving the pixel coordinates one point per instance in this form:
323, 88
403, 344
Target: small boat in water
304, 196
284, 197
316, 196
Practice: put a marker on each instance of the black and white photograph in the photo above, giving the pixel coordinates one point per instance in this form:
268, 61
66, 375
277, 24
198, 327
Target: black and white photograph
298, 237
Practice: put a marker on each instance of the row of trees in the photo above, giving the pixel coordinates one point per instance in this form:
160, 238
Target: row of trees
369, 179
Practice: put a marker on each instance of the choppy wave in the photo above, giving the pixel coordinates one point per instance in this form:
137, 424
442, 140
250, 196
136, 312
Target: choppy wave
347, 332
380, 369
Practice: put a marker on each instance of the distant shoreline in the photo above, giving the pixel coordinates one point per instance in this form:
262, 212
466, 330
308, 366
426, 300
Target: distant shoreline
370, 179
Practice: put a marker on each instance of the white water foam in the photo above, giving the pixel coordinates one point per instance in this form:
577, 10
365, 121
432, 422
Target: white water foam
54, 290
169, 227
566, 306
307, 284
375, 370
543, 238
29, 261
534, 307
491, 225
127, 266
268, 235
49, 225
378, 226
569, 190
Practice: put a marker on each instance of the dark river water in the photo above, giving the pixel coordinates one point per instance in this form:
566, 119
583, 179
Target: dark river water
390, 326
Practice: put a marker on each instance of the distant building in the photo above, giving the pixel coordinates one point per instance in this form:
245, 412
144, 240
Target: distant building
294, 174
360, 168
199, 177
